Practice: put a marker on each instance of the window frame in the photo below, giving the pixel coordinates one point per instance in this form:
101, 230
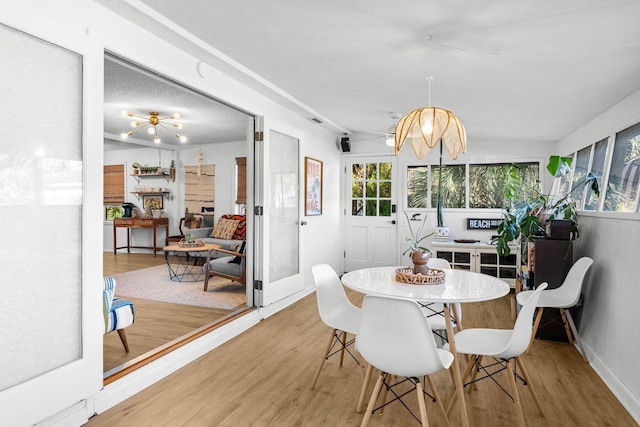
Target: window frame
467, 164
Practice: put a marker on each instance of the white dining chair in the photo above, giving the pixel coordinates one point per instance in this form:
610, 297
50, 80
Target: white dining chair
395, 337
435, 311
563, 298
337, 312
504, 346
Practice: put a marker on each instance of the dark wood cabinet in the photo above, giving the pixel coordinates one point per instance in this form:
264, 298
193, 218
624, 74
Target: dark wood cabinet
550, 261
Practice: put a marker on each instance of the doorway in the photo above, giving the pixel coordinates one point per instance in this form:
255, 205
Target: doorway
371, 212
216, 135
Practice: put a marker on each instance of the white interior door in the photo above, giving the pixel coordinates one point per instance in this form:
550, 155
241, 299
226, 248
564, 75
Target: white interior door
371, 218
50, 309
278, 208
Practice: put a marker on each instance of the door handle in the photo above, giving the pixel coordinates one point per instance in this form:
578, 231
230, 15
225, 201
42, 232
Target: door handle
303, 222
393, 221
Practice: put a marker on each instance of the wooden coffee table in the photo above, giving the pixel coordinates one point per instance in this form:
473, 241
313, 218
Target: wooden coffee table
182, 261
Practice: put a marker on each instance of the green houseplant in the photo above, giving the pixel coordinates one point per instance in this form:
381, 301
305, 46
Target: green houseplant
524, 219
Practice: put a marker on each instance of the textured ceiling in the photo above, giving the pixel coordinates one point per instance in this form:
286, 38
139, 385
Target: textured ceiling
511, 70
130, 88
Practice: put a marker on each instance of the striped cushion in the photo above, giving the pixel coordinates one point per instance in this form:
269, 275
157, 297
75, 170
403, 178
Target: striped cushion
122, 314
241, 231
118, 313
224, 229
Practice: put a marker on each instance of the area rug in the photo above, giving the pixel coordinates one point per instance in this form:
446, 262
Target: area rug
154, 284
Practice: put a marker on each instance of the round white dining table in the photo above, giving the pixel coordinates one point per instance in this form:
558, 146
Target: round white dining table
459, 286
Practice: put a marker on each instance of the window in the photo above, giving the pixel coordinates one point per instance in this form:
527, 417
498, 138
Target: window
241, 180
420, 192
622, 190
485, 185
454, 190
597, 168
113, 191
371, 189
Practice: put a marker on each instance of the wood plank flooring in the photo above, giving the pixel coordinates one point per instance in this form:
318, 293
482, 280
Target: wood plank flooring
262, 378
157, 323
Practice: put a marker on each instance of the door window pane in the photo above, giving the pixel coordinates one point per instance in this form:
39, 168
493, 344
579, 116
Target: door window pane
622, 191
374, 179
41, 192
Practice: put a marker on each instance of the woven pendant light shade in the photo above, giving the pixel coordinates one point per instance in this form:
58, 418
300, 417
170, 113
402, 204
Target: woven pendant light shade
426, 127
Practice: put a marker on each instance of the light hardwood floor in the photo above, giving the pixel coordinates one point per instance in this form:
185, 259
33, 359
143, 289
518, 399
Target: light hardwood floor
262, 378
157, 323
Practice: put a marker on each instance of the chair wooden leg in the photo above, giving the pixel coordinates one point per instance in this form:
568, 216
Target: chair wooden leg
514, 392
565, 323
372, 400
344, 342
123, 338
436, 395
365, 386
421, 404
525, 374
324, 357
535, 328
465, 375
577, 337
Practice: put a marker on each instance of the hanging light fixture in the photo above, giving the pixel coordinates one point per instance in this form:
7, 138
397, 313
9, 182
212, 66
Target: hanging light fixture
429, 125
151, 123
391, 132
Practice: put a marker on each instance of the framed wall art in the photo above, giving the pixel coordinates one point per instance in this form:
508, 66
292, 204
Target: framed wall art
312, 186
155, 202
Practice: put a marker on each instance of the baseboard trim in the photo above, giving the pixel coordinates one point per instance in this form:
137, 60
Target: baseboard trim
617, 387
272, 309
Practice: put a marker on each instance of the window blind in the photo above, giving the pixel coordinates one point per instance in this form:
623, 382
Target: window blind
113, 184
241, 179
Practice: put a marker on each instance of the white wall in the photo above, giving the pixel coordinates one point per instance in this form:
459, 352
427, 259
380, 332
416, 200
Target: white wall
121, 37
611, 292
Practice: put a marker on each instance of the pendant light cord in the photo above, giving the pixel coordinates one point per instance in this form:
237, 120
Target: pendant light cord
429, 77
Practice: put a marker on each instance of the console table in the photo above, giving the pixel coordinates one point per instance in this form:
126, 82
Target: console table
129, 223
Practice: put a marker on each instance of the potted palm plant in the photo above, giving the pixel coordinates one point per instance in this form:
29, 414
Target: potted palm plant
525, 218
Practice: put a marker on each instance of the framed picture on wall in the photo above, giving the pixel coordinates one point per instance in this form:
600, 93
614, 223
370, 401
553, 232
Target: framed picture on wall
155, 201
312, 186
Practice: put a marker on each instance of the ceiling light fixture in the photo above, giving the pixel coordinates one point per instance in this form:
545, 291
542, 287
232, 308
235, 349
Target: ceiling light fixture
429, 125
391, 132
153, 121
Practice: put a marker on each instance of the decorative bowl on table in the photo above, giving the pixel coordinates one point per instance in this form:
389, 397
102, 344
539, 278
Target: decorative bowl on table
183, 243
433, 276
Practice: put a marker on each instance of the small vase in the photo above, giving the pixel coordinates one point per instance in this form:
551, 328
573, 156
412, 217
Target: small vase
420, 260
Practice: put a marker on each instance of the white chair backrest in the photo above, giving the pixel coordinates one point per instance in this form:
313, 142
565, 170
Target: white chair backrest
335, 308
439, 263
569, 292
395, 337
523, 328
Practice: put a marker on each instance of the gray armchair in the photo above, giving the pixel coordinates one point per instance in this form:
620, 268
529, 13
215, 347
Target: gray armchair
230, 265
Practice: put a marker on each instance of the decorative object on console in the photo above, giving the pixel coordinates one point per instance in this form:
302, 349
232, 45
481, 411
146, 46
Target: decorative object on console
153, 121
136, 168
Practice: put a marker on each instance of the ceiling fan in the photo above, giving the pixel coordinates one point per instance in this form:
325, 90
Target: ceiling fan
389, 135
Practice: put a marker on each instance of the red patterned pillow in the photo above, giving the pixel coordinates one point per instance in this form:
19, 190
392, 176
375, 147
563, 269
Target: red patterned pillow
241, 231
